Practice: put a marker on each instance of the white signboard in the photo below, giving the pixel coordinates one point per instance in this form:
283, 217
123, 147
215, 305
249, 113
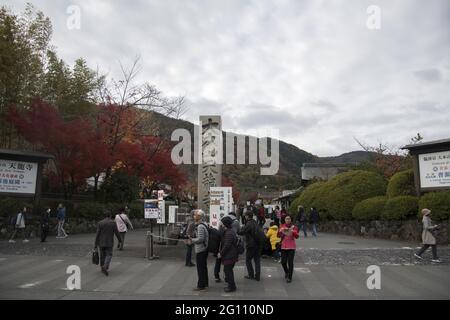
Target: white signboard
160, 195
221, 204
18, 176
172, 212
434, 170
162, 212
151, 210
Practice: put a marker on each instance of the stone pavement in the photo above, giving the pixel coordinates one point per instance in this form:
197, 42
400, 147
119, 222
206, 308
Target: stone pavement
327, 267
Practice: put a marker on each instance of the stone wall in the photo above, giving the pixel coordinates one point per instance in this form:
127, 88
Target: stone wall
409, 230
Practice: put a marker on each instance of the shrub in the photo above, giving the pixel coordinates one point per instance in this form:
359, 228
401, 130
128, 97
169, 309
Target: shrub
400, 208
121, 188
438, 203
90, 210
369, 209
345, 190
401, 184
312, 196
10, 206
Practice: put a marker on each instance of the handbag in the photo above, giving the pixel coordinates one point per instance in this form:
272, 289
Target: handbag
95, 257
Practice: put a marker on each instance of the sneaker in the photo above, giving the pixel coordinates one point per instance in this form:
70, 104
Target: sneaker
227, 289
218, 280
249, 277
105, 272
288, 280
12, 241
26, 240
417, 256
436, 260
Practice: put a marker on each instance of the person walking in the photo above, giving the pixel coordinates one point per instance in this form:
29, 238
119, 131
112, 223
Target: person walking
428, 236
215, 246
61, 216
261, 216
272, 235
253, 248
45, 224
104, 239
229, 252
200, 241
189, 233
283, 214
123, 223
288, 233
314, 219
302, 220
19, 223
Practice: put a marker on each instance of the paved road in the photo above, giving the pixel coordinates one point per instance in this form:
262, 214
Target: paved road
329, 267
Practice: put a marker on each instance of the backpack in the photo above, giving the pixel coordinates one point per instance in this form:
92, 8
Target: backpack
240, 245
213, 239
13, 220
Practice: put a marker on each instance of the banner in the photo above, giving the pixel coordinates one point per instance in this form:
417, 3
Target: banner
172, 212
221, 204
434, 170
162, 212
151, 210
18, 176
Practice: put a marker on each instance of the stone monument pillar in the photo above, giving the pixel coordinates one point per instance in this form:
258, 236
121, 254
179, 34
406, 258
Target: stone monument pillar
210, 159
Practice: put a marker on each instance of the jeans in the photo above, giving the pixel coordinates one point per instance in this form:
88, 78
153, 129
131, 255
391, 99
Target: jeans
433, 250
120, 244
314, 229
202, 269
105, 257
303, 227
287, 261
253, 253
189, 254
61, 231
217, 268
229, 276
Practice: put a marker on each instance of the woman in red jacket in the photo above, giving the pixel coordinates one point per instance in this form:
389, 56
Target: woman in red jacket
288, 233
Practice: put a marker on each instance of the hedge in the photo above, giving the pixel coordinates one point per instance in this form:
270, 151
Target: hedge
400, 208
344, 191
438, 203
401, 184
369, 209
312, 196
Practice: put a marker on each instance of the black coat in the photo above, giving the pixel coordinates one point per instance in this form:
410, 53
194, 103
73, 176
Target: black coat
249, 231
229, 251
314, 216
106, 229
45, 221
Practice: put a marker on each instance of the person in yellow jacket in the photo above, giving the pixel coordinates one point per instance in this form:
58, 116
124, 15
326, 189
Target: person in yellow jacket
272, 234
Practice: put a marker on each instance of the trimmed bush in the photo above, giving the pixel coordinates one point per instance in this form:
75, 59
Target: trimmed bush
312, 196
400, 208
90, 210
344, 191
401, 184
9, 206
438, 203
369, 209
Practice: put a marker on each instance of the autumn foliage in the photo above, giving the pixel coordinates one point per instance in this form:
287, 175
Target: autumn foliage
85, 148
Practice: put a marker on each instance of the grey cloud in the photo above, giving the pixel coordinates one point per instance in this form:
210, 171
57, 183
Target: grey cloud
430, 75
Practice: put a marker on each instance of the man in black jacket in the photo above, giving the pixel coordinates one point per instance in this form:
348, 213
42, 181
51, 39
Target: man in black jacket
106, 229
228, 252
253, 248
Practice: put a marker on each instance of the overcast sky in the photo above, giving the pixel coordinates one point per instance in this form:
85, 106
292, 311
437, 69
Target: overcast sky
312, 69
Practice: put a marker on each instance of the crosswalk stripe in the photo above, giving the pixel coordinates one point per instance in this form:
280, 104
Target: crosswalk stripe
159, 278
120, 278
312, 284
11, 278
423, 283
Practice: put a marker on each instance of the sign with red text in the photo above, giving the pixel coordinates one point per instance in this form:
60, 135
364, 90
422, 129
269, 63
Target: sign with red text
18, 176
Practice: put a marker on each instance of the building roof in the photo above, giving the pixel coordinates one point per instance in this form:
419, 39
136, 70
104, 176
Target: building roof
32, 155
424, 145
325, 165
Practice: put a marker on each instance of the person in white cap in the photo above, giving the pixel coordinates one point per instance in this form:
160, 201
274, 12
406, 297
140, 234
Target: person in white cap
428, 238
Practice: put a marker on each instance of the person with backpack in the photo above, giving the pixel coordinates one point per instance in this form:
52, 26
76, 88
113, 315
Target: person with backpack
288, 233
45, 224
61, 216
189, 232
428, 236
253, 247
19, 222
200, 241
301, 220
229, 252
123, 223
314, 219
